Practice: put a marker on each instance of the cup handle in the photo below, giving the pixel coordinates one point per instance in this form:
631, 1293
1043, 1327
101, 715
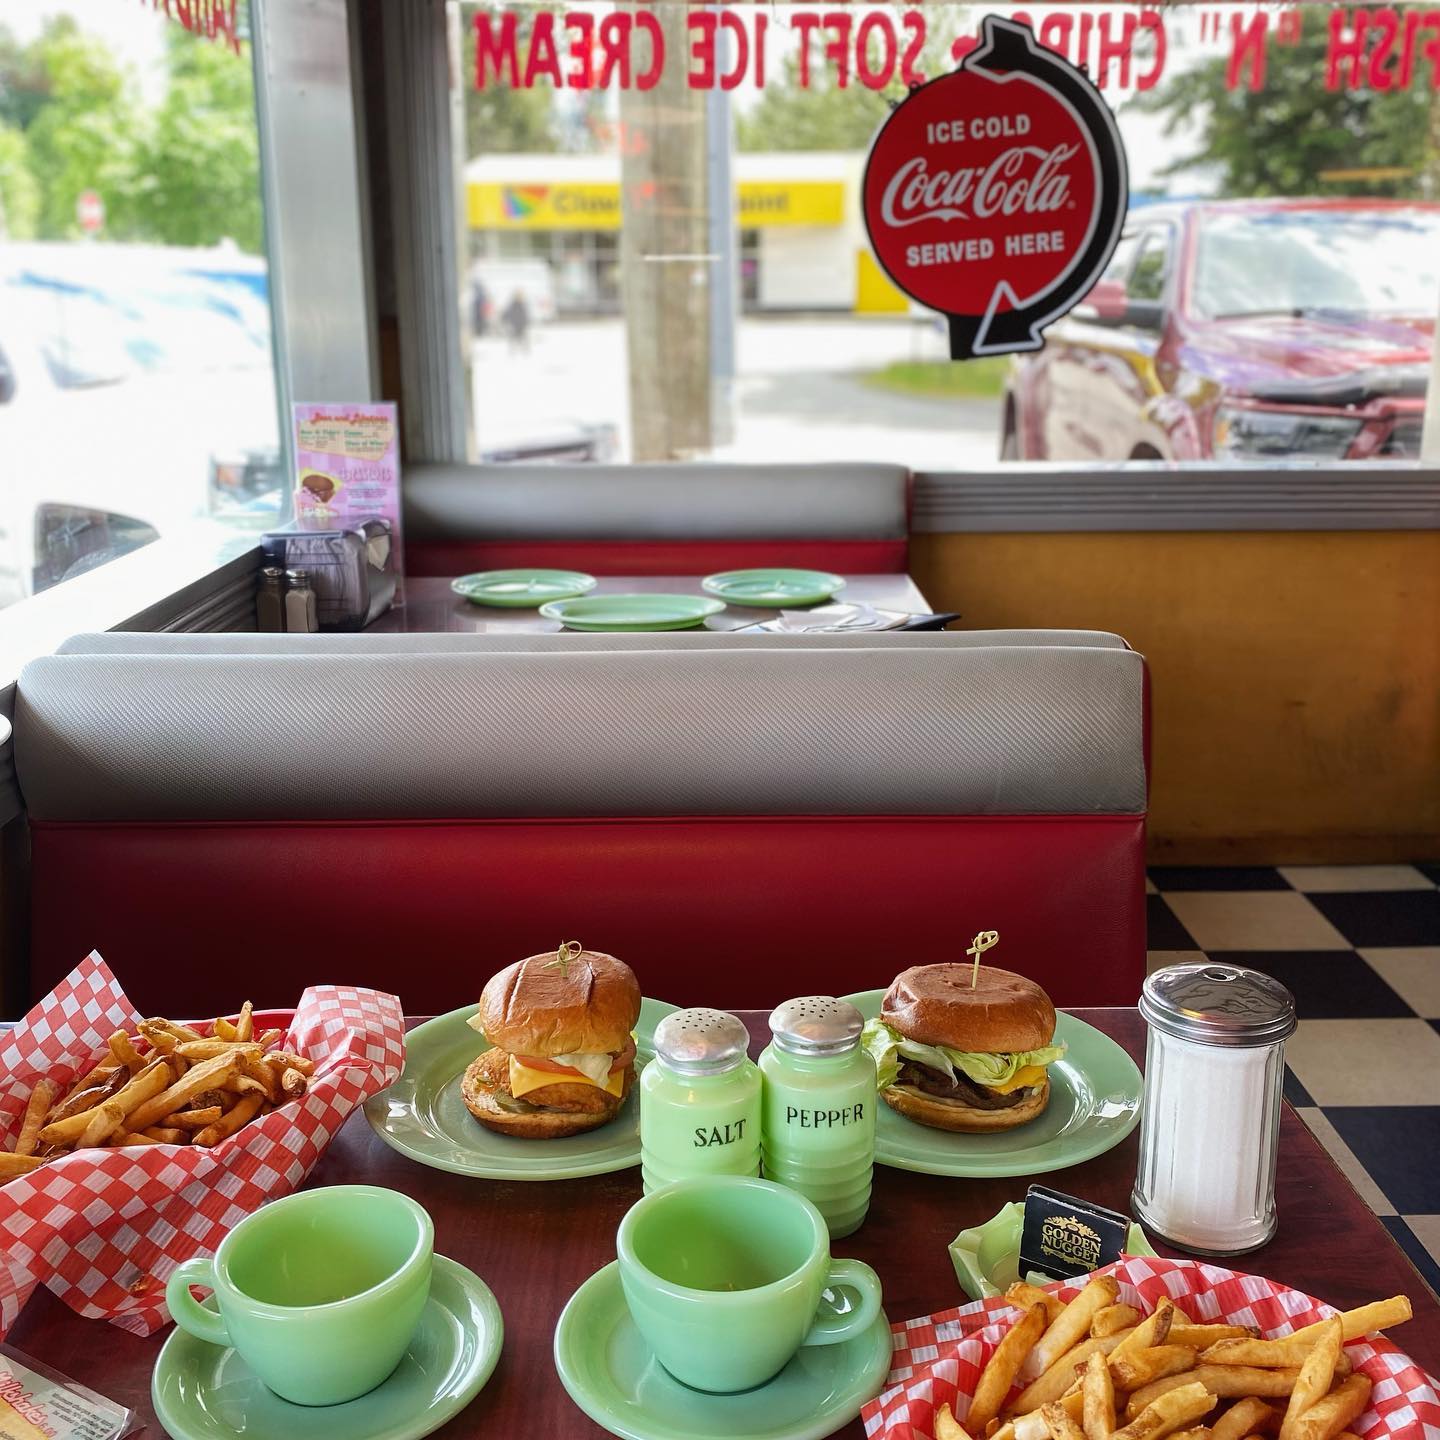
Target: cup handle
831, 1328
186, 1311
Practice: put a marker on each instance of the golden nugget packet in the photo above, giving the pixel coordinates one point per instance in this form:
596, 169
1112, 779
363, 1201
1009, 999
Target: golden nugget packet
1065, 1236
39, 1403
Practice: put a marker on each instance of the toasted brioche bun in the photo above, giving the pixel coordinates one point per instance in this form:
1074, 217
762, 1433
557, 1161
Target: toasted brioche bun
538, 1007
951, 1115
1004, 1013
585, 1107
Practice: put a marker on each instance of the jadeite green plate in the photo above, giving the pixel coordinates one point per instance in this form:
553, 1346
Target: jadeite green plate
987, 1257
522, 589
767, 588
633, 613
422, 1115
1094, 1104
207, 1392
612, 1376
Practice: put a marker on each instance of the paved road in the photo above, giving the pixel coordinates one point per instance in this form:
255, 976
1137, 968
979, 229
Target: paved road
796, 396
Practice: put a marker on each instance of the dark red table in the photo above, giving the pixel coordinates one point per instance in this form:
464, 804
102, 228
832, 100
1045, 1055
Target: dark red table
535, 1243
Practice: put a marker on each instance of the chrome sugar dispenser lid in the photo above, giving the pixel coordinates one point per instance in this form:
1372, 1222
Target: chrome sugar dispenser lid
701, 1041
1215, 1004
816, 1025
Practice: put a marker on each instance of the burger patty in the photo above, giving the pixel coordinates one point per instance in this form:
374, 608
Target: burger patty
574, 1099
962, 1088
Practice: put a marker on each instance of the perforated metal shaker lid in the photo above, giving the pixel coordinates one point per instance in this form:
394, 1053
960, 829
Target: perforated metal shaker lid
701, 1042
816, 1025
1217, 1004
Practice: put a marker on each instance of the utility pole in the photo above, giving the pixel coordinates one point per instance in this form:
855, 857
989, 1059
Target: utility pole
665, 255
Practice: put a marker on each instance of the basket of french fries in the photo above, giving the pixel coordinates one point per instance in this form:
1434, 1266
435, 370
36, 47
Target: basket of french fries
1148, 1349
133, 1143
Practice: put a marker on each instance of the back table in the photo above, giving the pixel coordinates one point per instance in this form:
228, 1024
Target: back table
534, 1244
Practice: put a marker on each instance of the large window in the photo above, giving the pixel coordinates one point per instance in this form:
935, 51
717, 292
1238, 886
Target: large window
666, 231
137, 381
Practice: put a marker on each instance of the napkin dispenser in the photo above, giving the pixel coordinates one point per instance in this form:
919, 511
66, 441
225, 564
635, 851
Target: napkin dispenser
351, 571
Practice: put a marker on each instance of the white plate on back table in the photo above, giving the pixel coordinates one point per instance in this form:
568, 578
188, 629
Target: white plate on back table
422, 1114
1094, 1104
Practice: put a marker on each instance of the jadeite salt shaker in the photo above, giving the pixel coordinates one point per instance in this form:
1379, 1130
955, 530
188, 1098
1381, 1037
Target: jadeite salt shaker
1210, 1129
699, 1100
818, 1126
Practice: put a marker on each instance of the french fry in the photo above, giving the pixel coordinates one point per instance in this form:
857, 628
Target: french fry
167, 1135
1364, 1319
947, 1427
12, 1164
111, 1115
1200, 1432
999, 1374
1228, 1382
204, 1076
1167, 1413
1316, 1375
264, 1075
129, 1137
266, 1038
1097, 1392
209, 1049
246, 1108
245, 1022
1140, 1367
1203, 1336
1284, 1353
307, 1068
1031, 1426
161, 1040
180, 1032
1113, 1318
1153, 1330
87, 1099
1059, 1423
1333, 1413
1243, 1418
42, 1097
102, 1074
194, 1119
1021, 1293
125, 1053
1073, 1323
292, 1084
1057, 1380
225, 1030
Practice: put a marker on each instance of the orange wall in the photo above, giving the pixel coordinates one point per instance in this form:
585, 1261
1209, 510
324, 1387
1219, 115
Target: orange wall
1295, 675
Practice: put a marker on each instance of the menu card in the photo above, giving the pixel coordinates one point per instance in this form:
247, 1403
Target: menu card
347, 470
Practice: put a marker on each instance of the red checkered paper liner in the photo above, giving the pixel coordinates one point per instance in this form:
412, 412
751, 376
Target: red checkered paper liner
104, 1228
938, 1358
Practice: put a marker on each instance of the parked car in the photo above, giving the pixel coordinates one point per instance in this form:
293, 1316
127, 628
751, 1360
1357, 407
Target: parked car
1245, 330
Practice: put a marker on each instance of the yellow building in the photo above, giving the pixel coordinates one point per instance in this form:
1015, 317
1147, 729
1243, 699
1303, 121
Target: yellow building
802, 242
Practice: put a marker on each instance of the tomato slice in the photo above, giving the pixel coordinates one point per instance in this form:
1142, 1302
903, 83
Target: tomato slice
538, 1062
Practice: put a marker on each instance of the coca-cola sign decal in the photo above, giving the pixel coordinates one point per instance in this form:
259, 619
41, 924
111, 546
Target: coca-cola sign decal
995, 194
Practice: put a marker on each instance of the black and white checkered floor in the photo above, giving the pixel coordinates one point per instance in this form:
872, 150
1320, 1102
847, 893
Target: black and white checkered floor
1359, 947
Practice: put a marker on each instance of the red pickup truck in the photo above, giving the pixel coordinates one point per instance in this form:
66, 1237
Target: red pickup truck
1242, 330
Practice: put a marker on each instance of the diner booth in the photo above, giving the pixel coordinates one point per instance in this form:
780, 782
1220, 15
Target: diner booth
967, 973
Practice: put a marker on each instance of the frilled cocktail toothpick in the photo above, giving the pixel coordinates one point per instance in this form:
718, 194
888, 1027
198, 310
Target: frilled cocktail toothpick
565, 952
978, 946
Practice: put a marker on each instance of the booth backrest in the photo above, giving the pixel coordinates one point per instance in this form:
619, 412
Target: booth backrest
665, 519
740, 824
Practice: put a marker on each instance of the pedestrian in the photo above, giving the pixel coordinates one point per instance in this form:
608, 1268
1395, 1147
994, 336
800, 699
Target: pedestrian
516, 319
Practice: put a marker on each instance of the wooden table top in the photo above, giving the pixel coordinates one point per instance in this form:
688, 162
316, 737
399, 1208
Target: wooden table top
431, 605
535, 1243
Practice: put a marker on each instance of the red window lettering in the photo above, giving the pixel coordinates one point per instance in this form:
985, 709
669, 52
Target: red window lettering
495, 53
877, 31
1345, 57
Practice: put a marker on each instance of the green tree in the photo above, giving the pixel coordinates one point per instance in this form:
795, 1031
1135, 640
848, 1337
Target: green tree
1280, 140
200, 157
86, 136
24, 86
19, 193
503, 119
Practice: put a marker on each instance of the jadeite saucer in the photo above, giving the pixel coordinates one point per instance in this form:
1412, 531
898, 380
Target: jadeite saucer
612, 1376
207, 1392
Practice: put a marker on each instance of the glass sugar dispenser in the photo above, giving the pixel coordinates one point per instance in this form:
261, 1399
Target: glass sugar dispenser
699, 1100
1210, 1130
818, 1125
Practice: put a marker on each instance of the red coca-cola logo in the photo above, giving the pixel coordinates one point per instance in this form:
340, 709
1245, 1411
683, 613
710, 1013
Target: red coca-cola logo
995, 194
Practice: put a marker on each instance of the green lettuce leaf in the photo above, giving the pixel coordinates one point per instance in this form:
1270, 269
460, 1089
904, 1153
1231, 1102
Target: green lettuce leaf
886, 1047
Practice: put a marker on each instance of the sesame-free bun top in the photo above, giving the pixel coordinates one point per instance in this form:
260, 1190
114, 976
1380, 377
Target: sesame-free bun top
541, 1006
935, 1005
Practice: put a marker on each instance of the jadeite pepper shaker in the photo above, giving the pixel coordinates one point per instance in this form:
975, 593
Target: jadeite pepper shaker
818, 1126
699, 1100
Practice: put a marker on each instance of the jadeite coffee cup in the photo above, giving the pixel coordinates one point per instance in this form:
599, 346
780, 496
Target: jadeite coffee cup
319, 1292
727, 1277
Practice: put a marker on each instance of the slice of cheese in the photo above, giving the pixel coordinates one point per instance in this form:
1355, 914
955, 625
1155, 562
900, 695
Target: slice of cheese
1027, 1075
524, 1078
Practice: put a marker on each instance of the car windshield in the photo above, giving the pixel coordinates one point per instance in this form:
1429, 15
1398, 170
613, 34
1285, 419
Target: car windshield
1374, 262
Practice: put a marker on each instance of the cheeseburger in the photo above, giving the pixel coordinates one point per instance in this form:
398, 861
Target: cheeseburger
562, 1057
962, 1058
